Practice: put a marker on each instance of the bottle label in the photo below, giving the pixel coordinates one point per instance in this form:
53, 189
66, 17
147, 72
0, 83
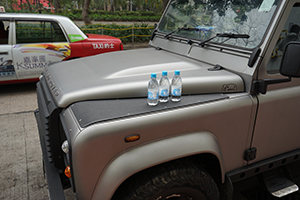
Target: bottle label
176, 91
152, 94
164, 93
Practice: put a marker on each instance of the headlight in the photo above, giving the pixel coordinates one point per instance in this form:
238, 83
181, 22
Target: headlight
65, 146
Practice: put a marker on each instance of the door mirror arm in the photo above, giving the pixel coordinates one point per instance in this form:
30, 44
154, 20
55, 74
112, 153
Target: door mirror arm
289, 67
260, 86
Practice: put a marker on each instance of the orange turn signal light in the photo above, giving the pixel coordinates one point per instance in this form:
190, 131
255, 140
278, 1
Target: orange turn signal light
131, 138
68, 171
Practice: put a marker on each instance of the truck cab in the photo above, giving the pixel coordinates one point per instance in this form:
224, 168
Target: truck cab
237, 118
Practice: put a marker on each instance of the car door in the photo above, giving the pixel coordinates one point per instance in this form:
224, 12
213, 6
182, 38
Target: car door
277, 129
7, 71
37, 44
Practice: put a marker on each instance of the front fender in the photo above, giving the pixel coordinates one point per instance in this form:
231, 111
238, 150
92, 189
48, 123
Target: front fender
151, 154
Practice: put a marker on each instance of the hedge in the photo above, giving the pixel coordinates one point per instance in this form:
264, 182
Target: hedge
140, 32
101, 15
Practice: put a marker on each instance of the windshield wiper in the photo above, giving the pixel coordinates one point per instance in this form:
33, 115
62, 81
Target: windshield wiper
179, 29
228, 35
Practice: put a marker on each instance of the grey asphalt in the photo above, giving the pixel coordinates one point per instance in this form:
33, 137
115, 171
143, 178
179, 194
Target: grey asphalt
21, 167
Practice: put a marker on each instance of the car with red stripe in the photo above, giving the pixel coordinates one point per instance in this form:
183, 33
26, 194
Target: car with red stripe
30, 42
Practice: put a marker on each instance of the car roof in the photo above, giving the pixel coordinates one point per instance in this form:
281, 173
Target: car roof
32, 16
67, 24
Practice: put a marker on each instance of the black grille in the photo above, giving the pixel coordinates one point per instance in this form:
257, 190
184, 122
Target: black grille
50, 124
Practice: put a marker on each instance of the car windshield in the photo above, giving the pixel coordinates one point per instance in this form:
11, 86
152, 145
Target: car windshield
204, 19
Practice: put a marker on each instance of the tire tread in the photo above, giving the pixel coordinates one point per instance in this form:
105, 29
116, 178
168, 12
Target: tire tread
169, 175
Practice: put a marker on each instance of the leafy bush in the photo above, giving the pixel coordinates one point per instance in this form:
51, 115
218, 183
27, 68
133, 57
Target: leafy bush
141, 31
101, 15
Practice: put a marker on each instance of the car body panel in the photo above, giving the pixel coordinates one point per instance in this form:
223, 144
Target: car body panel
249, 132
96, 140
143, 157
130, 80
7, 71
30, 54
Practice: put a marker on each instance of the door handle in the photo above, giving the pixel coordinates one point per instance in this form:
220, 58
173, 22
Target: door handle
63, 49
3, 52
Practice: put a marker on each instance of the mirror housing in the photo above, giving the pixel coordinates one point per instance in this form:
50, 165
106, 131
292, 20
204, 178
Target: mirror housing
290, 63
290, 67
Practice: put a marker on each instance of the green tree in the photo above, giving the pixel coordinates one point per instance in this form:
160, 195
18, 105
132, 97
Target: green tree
29, 6
85, 12
6, 2
165, 3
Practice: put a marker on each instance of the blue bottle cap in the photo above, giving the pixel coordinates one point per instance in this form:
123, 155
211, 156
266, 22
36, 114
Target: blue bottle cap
153, 75
177, 72
165, 73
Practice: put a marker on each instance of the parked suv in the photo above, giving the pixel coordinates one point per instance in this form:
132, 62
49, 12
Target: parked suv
237, 118
32, 41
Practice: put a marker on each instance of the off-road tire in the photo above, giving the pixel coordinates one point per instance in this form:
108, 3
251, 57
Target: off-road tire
175, 180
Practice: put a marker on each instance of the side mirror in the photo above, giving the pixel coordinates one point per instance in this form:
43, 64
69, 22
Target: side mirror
290, 63
290, 67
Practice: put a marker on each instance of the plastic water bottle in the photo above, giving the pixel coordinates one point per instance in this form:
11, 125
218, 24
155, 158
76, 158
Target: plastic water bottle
176, 87
164, 87
153, 91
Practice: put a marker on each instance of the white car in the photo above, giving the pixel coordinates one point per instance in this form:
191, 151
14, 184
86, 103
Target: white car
29, 42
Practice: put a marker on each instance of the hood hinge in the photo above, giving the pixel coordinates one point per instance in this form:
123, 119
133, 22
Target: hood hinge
250, 154
216, 68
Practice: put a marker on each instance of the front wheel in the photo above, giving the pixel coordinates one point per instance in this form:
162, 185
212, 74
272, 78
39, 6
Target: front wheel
177, 180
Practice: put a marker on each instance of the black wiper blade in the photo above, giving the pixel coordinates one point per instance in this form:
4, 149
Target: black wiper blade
228, 35
232, 35
179, 29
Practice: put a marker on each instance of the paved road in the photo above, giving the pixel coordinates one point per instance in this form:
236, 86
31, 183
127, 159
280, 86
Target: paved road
21, 175
21, 167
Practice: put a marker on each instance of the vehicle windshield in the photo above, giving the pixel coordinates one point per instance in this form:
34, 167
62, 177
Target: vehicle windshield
212, 17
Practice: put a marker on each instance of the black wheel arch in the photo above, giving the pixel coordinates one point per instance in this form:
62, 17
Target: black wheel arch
208, 162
